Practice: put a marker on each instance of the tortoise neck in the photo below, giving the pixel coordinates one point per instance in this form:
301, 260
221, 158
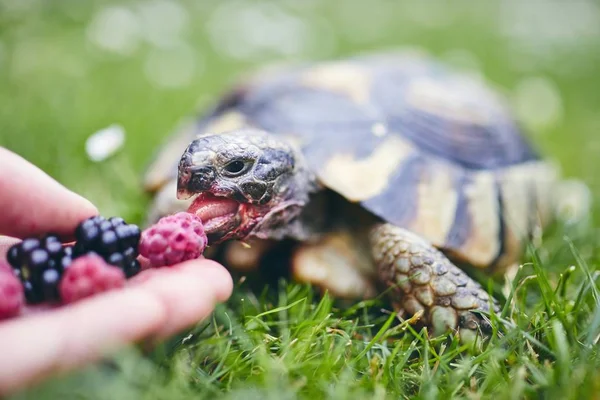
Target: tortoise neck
292, 209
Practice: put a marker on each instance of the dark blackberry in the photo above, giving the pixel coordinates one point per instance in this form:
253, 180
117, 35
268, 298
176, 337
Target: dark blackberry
32, 295
65, 260
54, 247
35, 261
13, 256
126, 260
132, 269
112, 239
17, 253
49, 285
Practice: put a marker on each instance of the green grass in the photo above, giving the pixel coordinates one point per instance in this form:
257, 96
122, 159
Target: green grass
285, 341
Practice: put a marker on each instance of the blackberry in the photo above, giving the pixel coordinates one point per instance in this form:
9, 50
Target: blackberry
39, 264
49, 285
112, 239
32, 295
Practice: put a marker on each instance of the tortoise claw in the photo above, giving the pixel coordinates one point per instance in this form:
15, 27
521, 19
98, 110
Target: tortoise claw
422, 279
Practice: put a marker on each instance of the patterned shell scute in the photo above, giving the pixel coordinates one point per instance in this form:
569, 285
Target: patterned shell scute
418, 145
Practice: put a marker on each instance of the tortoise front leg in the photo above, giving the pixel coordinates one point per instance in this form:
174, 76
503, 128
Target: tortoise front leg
337, 263
421, 279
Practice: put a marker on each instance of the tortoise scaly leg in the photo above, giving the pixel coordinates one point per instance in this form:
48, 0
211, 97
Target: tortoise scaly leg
422, 279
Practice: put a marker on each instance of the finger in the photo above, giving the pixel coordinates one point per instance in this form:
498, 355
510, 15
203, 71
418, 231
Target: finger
33, 203
189, 292
48, 343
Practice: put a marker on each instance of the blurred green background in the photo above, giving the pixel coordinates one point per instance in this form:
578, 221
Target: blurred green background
69, 68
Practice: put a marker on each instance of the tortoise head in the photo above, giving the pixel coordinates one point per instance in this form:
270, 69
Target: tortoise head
245, 183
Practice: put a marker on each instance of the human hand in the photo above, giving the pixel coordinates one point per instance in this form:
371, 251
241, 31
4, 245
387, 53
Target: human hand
45, 341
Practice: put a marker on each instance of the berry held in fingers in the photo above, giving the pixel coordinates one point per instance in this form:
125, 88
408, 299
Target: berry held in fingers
89, 275
39, 263
11, 293
173, 239
112, 239
103, 256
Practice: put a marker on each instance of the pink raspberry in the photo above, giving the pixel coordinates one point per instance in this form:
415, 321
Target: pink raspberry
5, 267
12, 295
173, 239
89, 275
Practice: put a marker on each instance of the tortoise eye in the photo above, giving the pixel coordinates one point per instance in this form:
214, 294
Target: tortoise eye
235, 167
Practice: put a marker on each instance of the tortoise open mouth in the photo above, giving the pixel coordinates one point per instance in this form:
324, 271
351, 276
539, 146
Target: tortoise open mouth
225, 218
218, 214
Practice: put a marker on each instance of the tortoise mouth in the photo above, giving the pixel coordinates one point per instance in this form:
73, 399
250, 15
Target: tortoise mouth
218, 214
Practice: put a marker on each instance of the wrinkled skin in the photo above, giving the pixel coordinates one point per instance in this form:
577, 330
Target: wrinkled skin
246, 184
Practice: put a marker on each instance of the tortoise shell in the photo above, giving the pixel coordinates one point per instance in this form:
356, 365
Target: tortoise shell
414, 143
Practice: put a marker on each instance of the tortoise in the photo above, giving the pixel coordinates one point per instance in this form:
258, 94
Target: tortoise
388, 171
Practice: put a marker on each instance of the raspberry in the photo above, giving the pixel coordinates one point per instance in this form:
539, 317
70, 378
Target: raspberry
89, 275
34, 261
112, 239
173, 239
5, 268
11, 293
